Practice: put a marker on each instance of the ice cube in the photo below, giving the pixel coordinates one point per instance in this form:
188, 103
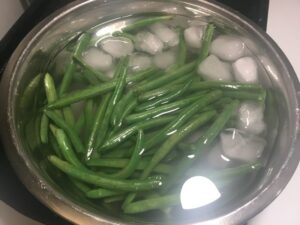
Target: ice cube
164, 59
228, 47
251, 117
148, 42
165, 34
193, 36
111, 73
216, 159
245, 70
214, 69
139, 62
117, 46
98, 59
239, 145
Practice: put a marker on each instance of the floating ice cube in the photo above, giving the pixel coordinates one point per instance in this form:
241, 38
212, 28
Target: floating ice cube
164, 59
250, 47
139, 62
228, 47
215, 157
111, 73
245, 70
98, 59
165, 34
251, 117
117, 46
239, 145
214, 69
148, 42
193, 36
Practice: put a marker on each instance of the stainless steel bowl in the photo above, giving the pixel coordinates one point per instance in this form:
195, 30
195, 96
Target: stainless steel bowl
30, 56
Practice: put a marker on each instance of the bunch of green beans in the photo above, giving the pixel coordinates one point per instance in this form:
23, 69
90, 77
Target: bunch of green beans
122, 144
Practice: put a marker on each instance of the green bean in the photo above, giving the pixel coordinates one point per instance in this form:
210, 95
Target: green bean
165, 99
54, 144
166, 78
183, 117
230, 86
175, 138
89, 115
163, 109
44, 129
182, 50
50, 89
101, 193
124, 34
96, 124
229, 172
65, 147
96, 90
129, 131
89, 76
30, 92
82, 44
149, 95
74, 138
79, 123
257, 96
81, 186
127, 110
114, 199
51, 96
181, 80
205, 140
120, 163
69, 117
152, 203
121, 73
99, 75
134, 160
119, 108
111, 184
145, 22
118, 153
121, 83
206, 41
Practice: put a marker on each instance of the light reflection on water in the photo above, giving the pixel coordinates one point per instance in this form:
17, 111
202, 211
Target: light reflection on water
198, 191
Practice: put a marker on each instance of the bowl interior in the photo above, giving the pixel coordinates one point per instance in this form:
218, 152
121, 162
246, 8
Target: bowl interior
35, 55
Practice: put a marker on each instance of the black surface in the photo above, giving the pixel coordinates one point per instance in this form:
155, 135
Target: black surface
12, 190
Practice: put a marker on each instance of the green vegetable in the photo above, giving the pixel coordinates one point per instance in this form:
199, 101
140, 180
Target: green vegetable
96, 125
96, 90
145, 22
74, 138
65, 147
121, 163
66, 81
182, 50
92, 178
164, 99
163, 109
183, 117
135, 158
129, 131
207, 138
166, 78
175, 138
152, 203
30, 92
101, 193
206, 41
